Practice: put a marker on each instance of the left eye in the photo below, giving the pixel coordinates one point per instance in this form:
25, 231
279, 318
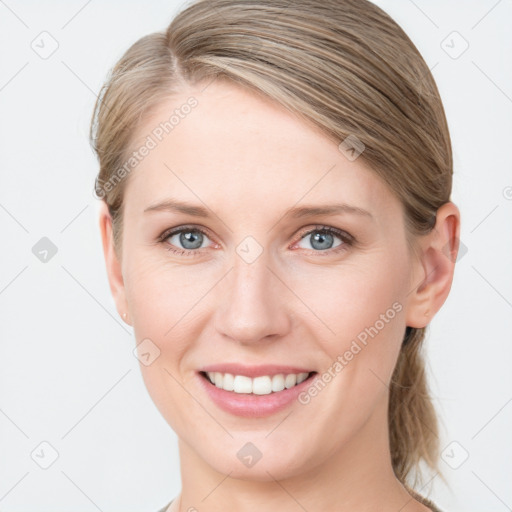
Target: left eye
321, 239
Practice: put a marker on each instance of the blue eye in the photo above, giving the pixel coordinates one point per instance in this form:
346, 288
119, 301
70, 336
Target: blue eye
322, 237
190, 239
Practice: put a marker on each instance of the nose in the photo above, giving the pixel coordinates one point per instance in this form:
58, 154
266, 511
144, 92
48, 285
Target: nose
254, 302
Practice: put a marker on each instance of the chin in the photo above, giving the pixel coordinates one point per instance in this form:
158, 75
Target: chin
256, 457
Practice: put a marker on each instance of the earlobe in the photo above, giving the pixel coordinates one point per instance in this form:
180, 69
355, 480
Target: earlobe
112, 262
435, 268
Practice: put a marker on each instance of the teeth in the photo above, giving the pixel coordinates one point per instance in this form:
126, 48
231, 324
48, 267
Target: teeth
263, 385
290, 381
227, 383
241, 384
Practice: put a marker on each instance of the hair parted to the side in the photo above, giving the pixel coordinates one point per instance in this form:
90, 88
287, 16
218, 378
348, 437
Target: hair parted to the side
346, 67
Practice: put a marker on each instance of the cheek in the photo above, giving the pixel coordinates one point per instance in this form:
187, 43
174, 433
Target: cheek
161, 293
161, 298
361, 315
353, 296
168, 304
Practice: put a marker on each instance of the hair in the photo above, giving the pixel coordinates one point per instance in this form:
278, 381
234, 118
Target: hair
346, 67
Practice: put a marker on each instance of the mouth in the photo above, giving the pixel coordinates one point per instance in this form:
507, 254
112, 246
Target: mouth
261, 385
254, 391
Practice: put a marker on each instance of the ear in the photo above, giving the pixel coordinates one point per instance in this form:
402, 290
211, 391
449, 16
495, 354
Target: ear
113, 264
433, 271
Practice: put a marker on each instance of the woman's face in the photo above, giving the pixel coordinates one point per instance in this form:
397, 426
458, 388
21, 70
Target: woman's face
253, 280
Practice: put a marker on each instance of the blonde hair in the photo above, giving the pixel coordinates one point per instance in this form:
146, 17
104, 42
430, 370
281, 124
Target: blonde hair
346, 67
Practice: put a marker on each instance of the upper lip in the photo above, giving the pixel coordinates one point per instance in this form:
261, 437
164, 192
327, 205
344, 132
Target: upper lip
253, 371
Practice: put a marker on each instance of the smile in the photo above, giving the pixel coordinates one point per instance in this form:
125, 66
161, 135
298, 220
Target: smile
256, 397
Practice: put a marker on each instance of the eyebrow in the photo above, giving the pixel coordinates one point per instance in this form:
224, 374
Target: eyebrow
172, 205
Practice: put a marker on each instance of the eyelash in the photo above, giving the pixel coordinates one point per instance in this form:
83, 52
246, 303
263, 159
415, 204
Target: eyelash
347, 239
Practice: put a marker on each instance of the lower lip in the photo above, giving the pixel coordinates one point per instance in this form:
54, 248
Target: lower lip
250, 405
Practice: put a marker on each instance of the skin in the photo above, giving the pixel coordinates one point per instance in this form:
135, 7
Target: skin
248, 161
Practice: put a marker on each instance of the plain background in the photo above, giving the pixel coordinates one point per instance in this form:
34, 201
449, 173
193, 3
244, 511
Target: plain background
68, 376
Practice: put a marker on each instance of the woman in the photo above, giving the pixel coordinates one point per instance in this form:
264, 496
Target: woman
277, 227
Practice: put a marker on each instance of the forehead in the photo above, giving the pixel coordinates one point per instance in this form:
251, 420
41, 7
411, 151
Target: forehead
236, 148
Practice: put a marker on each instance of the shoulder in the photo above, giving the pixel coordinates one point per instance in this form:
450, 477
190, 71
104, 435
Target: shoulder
166, 507
421, 499
425, 501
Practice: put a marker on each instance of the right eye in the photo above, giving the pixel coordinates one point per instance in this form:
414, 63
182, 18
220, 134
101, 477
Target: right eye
187, 240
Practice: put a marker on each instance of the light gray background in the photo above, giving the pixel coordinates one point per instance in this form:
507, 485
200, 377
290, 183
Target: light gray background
67, 373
